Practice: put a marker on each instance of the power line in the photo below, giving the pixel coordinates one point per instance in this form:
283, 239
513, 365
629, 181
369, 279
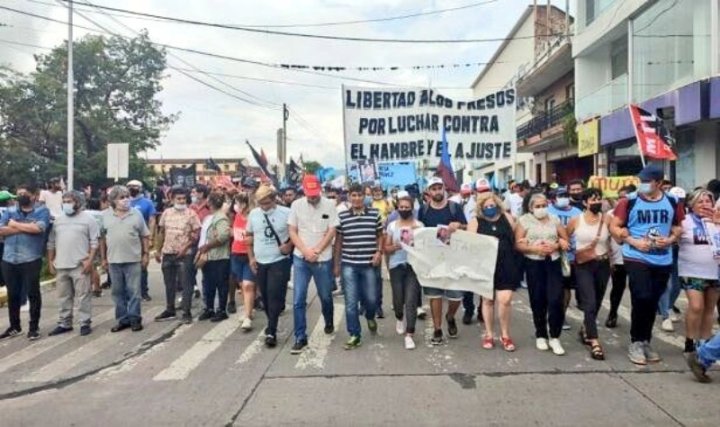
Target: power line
235, 76
328, 24
194, 78
333, 68
25, 44
215, 55
312, 36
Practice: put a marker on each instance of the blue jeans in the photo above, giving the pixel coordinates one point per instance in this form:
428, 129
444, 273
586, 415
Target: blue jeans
671, 294
360, 285
321, 272
144, 289
378, 286
125, 279
709, 352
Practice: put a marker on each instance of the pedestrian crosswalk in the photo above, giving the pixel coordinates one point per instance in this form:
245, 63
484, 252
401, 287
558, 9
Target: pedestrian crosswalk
184, 349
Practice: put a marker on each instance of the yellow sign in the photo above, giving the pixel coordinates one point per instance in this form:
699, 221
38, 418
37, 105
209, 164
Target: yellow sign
611, 184
588, 138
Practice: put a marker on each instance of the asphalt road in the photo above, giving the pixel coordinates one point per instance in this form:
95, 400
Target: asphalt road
214, 374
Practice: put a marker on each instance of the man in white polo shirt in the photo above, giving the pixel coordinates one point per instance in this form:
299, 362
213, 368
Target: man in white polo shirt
312, 225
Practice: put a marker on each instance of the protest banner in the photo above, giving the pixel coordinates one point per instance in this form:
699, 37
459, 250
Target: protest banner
397, 174
465, 263
610, 185
400, 124
588, 138
183, 177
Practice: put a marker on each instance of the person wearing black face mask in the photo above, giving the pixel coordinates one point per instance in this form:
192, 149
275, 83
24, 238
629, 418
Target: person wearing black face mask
24, 233
592, 265
575, 189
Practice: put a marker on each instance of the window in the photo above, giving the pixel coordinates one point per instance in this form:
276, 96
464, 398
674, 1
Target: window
619, 57
570, 93
549, 105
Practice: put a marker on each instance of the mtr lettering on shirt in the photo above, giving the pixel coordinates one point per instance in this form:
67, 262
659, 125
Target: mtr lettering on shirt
653, 216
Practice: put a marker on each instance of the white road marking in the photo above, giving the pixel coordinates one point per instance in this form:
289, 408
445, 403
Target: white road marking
82, 354
128, 365
253, 349
37, 348
192, 358
318, 344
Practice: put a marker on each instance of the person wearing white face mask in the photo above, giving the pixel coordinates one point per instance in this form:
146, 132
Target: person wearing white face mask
541, 237
178, 231
72, 244
124, 250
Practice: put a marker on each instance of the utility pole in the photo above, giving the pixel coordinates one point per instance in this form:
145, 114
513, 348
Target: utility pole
283, 153
70, 102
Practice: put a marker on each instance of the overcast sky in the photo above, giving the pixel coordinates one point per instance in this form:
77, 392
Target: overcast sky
214, 124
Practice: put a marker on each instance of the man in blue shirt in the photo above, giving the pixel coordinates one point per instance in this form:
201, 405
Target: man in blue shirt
147, 209
648, 226
24, 233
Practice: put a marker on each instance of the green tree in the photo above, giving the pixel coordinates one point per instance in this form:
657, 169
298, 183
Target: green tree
311, 166
116, 84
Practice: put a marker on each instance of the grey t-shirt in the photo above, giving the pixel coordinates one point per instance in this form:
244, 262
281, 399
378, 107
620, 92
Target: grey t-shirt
72, 237
123, 235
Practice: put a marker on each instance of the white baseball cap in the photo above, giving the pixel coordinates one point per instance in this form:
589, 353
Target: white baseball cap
134, 183
436, 180
678, 192
482, 185
465, 189
402, 194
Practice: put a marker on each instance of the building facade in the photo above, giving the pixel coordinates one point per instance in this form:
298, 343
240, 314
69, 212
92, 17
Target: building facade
232, 167
527, 41
663, 55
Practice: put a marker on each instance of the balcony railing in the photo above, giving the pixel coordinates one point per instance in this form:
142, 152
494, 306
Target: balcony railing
545, 121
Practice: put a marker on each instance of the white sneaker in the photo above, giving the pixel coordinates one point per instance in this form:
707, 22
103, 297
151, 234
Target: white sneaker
542, 344
667, 325
246, 324
421, 313
556, 347
400, 327
675, 317
409, 343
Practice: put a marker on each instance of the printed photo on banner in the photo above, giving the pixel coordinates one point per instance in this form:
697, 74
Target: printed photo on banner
443, 235
368, 172
400, 124
406, 236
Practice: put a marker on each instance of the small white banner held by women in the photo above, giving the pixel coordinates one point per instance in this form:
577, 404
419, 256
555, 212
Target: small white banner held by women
466, 263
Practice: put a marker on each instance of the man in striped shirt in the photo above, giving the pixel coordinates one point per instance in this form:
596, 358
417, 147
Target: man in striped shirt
358, 250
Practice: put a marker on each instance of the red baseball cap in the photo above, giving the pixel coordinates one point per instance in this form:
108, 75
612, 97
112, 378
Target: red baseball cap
311, 186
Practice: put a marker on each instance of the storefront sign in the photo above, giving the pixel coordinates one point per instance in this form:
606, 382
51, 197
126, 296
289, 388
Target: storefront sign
610, 185
400, 124
588, 138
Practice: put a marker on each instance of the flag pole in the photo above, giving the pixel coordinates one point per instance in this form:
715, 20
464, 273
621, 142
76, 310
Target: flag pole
637, 134
631, 49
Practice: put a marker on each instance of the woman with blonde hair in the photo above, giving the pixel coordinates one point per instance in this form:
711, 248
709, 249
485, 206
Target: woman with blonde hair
698, 269
491, 220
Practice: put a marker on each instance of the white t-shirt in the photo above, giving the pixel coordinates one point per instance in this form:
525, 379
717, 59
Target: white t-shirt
695, 258
616, 256
52, 201
204, 230
514, 204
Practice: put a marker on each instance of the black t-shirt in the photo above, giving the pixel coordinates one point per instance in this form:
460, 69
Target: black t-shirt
433, 217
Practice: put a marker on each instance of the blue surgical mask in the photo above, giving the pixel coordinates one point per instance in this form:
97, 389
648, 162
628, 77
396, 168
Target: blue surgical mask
644, 188
194, 200
562, 202
490, 212
68, 209
368, 200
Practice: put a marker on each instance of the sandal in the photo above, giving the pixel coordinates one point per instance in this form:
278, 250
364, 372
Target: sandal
583, 338
488, 342
596, 352
507, 343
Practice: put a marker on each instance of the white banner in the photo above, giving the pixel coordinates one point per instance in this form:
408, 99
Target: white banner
400, 124
460, 261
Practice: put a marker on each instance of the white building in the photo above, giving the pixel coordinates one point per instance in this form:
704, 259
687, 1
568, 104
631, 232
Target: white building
517, 53
663, 55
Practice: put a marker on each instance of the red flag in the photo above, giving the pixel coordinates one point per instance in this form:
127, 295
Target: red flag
651, 135
263, 157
